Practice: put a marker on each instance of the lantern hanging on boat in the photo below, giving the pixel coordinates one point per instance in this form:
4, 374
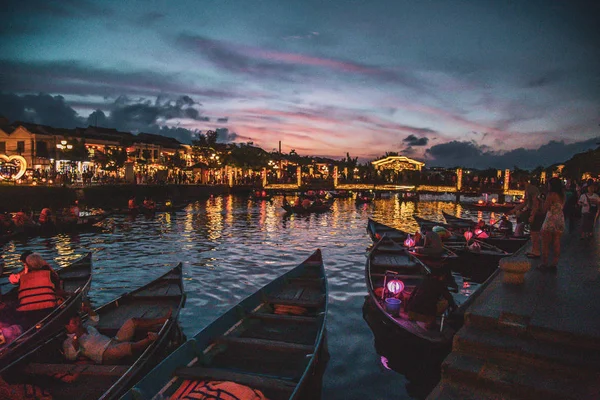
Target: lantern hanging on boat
468, 235
494, 200
409, 242
480, 202
395, 286
492, 221
478, 232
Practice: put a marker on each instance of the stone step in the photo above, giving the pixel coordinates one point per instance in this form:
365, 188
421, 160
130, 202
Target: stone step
515, 325
515, 380
554, 358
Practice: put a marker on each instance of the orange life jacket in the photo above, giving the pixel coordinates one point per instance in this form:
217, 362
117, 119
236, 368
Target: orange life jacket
131, 204
36, 291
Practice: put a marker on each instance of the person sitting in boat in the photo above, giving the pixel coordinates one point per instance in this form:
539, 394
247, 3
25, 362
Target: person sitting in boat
298, 202
132, 205
39, 288
432, 244
430, 299
85, 340
45, 217
72, 214
318, 202
442, 232
22, 219
306, 203
263, 194
149, 204
505, 226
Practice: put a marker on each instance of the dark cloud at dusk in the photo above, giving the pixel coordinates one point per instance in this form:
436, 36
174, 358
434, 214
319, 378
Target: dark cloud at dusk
469, 154
433, 80
412, 140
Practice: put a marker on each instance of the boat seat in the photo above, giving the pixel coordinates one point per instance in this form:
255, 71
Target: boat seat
248, 379
264, 344
298, 302
83, 369
283, 317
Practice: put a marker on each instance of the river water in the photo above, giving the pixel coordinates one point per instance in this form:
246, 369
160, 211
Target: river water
231, 246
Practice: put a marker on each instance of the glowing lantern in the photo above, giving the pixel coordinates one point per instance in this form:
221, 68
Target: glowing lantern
395, 286
478, 232
492, 221
480, 202
377, 236
494, 200
468, 235
409, 242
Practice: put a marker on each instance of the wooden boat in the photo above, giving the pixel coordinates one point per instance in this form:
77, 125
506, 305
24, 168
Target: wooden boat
489, 206
457, 222
388, 261
319, 208
364, 198
160, 208
102, 381
86, 223
509, 244
377, 230
256, 343
76, 279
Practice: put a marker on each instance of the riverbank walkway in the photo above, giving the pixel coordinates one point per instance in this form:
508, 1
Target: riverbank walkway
537, 340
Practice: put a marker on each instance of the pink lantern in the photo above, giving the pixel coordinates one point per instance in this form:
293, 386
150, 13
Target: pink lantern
395, 286
409, 242
478, 232
492, 221
468, 235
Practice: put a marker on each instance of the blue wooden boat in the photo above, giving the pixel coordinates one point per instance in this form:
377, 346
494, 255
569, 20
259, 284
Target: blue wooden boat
390, 264
270, 341
76, 279
41, 366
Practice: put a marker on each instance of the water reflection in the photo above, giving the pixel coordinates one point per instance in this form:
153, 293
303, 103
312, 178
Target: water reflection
231, 246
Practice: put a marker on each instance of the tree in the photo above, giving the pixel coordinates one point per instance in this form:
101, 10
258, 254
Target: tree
211, 138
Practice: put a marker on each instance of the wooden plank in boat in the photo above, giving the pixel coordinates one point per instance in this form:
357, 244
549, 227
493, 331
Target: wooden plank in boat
264, 344
83, 369
283, 317
253, 381
305, 302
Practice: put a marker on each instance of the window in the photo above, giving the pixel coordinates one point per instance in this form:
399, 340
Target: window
41, 149
3, 147
155, 154
20, 147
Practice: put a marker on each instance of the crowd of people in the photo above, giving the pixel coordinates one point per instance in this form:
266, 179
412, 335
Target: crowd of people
554, 209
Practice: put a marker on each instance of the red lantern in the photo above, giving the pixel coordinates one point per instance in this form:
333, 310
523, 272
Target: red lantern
478, 232
480, 202
409, 242
468, 235
377, 236
492, 221
395, 286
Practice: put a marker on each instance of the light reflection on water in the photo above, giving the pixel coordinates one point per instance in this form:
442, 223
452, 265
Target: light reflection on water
231, 246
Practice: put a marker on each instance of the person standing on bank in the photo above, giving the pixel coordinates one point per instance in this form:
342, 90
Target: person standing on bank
554, 224
589, 202
536, 220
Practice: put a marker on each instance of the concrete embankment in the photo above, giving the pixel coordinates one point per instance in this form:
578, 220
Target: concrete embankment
536, 340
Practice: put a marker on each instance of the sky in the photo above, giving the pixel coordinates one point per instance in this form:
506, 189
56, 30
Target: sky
452, 83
